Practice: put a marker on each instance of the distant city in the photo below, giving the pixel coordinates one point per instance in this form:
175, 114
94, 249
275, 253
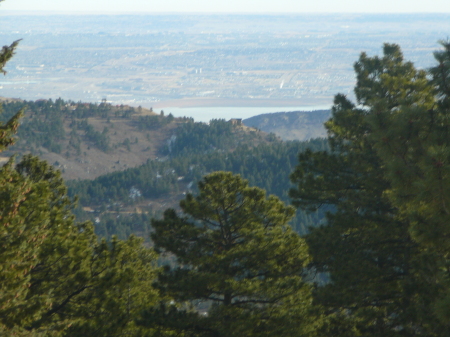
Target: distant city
204, 60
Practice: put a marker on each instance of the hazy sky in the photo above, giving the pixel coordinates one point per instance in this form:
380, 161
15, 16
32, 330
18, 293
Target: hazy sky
233, 6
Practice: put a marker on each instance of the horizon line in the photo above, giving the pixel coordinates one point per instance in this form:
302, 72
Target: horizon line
50, 12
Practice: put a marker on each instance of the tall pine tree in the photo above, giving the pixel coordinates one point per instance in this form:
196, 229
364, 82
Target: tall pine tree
413, 141
378, 274
56, 277
235, 254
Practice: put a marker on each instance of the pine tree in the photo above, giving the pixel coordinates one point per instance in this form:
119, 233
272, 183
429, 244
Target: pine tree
56, 278
238, 259
8, 130
378, 275
412, 139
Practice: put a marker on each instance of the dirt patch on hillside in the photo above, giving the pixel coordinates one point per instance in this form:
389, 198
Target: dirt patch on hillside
129, 147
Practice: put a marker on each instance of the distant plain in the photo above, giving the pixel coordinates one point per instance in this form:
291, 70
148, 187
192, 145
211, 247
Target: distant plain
182, 61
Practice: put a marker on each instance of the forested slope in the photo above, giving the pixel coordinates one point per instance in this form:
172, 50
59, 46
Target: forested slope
86, 140
161, 183
89, 140
233, 266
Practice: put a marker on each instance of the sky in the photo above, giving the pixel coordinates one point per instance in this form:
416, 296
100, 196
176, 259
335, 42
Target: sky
232, 6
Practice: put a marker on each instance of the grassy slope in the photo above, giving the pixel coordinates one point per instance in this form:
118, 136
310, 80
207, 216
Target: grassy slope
294, 125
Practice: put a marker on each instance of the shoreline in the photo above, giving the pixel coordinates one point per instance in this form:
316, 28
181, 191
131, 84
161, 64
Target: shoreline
206, 110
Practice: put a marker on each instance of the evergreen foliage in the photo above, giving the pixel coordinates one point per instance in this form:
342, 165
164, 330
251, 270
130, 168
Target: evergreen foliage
8, 129
6, 53
235, 251
154, 122
234, 264
45, 124
411, 136
382, 280
266, 166
218, 135
56, 278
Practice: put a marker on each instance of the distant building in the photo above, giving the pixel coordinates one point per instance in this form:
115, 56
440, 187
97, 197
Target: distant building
236, 121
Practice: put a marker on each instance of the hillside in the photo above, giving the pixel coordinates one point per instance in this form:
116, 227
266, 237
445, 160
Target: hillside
86, 140
294, 125
128, 164
122, 202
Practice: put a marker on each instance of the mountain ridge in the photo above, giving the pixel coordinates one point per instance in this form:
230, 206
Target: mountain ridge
292, 125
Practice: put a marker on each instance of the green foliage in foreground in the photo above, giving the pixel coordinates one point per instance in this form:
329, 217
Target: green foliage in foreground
56, 277
240, 269
412, 137
382, 246
235, 252
7, 130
